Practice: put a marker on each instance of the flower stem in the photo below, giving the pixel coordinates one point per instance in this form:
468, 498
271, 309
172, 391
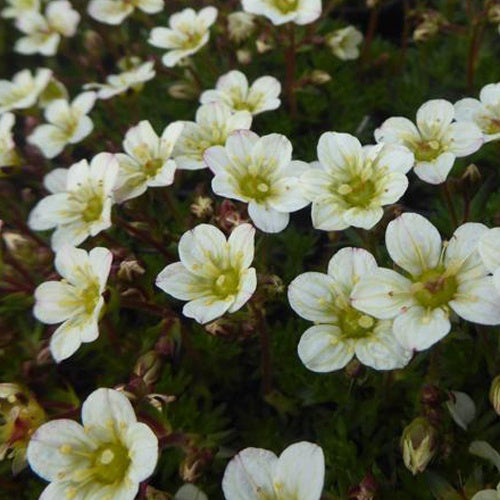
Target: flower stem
449, 202
290, 68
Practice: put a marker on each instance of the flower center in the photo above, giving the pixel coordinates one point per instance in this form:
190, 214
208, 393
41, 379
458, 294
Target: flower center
90, 296
94, 207
151, 167
355, 325
433, 289
255, 187
111, 462
491, 125
227, 283
428, 151
286, 6
358, 193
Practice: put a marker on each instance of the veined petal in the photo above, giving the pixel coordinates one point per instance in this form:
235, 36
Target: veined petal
465, 138
242, 246
413, 243
418, 328
247, 287
365, 218
142, 446
207, 309
397, 130
55, 301
327, 216
464, 241
341, 154
100, 260
266, 218
436, 171
274, 151
70, 262
434, 118
322, 348
50, 211
489, 249
312, 296
288, 195
177, 281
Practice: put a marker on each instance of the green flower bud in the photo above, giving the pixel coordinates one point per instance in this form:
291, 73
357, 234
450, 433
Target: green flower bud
418, 444
495, 394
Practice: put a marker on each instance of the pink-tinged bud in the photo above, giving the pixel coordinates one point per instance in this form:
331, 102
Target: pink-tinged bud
495, 394
365, 490
418, 444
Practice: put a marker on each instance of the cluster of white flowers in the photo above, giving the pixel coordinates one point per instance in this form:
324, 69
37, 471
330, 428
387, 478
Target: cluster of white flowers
377, 314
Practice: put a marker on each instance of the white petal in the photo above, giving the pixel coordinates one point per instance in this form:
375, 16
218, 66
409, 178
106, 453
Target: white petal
365, 218
418, 328
242, 246
100, 260
468, 109
340, 153
55, 181
142, 445
66, 340
395, 158
288, 195
266, 218
434, 117
462, 408
53, 302
327, 216
413, 243
397, 130
206, 309
301, 471
464, 241
177, 281
436, 171
323, 348
275, 149
69, 263
247, 287
466, 138
489, 249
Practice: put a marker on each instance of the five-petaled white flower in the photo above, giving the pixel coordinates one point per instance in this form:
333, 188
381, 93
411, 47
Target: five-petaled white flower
436, 140
260, 172
188, 32
489, 249
133, 78
115, 11
80, 205
285, 11
485, 112
44, 32
340, 331
345, 42
76, 301
105, 458
440, 278
232, 89
16, 8
350, 184
8, 156
214, 122
214, 274
258, 474
147, 162
24, 89
68, 124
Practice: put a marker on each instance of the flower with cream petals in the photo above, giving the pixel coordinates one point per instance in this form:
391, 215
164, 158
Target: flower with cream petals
43, 32
16, 8
340, 331
350, 184
24, 89
115, 11
345, 43
132, 78
258, 474
187, 33
214, 273
232, 89
436, 140
147, 161
8, 155
285, 11
485, 112
105, 458
68, 123
76, 301
80, 205
439, 278
214, 122
489, 249
259, 171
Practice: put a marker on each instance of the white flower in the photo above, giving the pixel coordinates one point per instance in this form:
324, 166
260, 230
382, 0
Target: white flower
462, 408
240, 25
285, 11
488, 494
436, 140
130, 79
258, 474
81, 204
214, 274
23, 91
485, 113
76, 300
147, 162
214, 122
232, 89
350, 184
489, 249
105, 458
440, 278
188, 32
115, 11
345, 43
16, 8
8, 156
340, 331
44, 32
68, 124
260, 172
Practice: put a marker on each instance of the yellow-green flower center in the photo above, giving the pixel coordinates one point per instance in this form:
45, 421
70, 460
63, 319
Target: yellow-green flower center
357, 193
434, 289
428, 151
151, 167
111, 462
492, 125
355, 325
227, 283
93, 209
255, 187
286, 6
90, 296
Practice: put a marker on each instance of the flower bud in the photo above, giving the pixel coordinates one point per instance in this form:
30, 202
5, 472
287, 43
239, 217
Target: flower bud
129, 270
184, 90
319, 77
240, 26
244, 56
494, 13
148, 367
202, 207
495, 394
429, 26
418, 444
472, 173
